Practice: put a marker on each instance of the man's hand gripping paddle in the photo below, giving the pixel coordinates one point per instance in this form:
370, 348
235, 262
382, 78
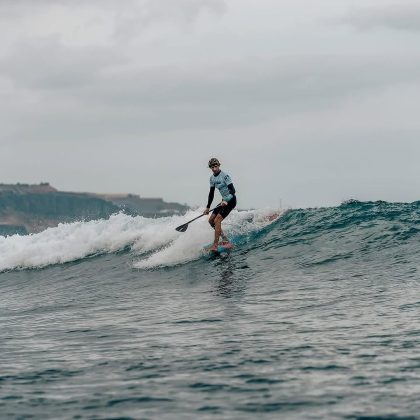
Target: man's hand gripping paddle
184, 227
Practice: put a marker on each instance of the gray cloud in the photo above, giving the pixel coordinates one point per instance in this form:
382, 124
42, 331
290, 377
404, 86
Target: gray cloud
129, 13
398, 16
45, 64
88, 93
103, 94
139, 15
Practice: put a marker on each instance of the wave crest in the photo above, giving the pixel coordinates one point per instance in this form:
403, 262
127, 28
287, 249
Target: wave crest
155, 241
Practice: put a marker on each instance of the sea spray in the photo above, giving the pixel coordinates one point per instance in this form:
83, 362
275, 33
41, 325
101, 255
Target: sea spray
188, 246
69, 242
155, 239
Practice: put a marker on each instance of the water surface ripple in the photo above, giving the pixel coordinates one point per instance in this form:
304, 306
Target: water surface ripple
315, 317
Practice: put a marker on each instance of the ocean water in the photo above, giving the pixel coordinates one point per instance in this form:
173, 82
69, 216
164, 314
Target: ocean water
315, 315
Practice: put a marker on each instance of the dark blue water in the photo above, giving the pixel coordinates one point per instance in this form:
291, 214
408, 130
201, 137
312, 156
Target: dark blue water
314, 316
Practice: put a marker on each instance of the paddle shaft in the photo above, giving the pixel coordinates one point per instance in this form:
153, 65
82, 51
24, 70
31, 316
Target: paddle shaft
184, 227
201, 215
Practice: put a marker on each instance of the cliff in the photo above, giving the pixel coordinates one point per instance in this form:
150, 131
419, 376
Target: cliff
28, 208
147, 207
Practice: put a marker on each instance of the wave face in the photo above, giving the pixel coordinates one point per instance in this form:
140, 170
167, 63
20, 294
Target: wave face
353, 233
313, 315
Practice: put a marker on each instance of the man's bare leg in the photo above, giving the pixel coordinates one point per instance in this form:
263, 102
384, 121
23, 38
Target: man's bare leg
212, 224
217, 229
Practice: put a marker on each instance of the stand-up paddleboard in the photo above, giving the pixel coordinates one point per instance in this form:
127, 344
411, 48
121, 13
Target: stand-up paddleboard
222, 249
225, 248
274, 216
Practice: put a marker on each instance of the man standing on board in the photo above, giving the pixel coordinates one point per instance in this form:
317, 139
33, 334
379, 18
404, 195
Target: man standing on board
223, 183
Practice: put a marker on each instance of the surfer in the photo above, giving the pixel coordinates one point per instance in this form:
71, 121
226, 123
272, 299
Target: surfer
223, 183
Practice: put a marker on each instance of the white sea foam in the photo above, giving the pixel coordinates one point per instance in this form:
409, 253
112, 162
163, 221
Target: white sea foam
69, 242
155, 242
188, 246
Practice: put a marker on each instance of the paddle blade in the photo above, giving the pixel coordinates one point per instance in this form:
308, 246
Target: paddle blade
182, 228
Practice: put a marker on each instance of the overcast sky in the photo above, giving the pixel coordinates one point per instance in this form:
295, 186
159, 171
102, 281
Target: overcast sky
313, 102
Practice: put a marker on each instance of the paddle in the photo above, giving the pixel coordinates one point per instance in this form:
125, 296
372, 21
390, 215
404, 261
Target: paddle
184, 227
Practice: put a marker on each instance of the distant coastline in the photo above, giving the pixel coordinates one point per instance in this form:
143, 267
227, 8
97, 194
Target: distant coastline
31, 208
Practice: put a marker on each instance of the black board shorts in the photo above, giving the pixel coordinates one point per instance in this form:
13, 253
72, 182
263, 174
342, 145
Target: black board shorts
225, 210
